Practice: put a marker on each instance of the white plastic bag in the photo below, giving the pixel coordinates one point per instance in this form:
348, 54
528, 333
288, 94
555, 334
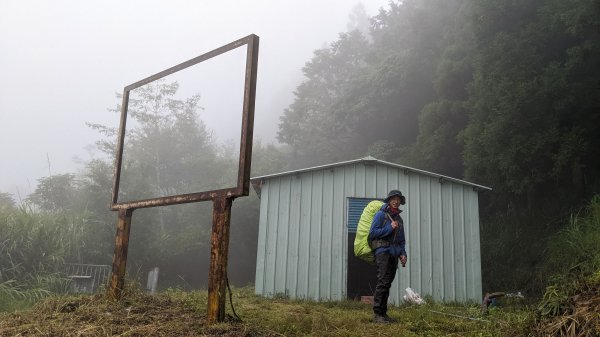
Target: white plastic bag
413, 297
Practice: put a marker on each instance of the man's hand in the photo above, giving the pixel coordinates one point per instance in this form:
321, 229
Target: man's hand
403, 260
394, 224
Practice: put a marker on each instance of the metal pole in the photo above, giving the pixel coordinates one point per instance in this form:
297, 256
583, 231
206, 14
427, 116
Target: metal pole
218, 259
117, 278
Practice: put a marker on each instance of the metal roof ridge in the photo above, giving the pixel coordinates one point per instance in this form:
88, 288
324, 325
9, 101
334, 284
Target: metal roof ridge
369, 159
313, 168
433, 174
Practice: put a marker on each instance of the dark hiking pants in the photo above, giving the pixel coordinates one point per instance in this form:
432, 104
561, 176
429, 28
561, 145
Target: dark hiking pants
386, 271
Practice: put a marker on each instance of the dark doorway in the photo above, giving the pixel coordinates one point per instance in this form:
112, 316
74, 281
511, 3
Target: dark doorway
361, 274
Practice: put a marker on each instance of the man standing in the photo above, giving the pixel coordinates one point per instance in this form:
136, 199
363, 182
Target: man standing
387, 240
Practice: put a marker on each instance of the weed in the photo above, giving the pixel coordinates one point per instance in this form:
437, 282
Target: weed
178, 313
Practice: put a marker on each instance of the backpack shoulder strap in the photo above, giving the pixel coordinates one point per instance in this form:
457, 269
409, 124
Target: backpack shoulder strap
400, 223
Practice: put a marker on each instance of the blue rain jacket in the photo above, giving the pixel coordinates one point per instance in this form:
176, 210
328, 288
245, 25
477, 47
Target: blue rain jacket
381, 228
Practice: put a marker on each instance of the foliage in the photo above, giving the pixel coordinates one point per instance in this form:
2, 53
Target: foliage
560, 256
268, 159
572, 260
7, 203
314, 125
511, 85
570, 309
574, 251
504, 93
169, 151
35, 246
39, 243
532, 132
14, 295
361, 93
571, 301
67, 218
32, 252
55, 193
167, 145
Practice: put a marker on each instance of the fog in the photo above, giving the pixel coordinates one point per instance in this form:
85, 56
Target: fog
62, 62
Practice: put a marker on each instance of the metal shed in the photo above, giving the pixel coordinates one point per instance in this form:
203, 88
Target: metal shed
308, 219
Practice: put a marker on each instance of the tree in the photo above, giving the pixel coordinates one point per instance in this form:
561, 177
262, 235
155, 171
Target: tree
438, 147
55, 193
311, 125
360, 95
359, 20
414, 44
533, 131
7, 203
268, 159
171, 144
168, 151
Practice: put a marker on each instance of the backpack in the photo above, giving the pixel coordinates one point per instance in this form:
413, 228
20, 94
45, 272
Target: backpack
362, 247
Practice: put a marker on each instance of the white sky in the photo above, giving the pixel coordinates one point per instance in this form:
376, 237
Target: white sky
62, 61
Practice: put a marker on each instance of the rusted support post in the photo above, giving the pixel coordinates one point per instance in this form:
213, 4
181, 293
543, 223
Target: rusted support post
219, 246
117, 278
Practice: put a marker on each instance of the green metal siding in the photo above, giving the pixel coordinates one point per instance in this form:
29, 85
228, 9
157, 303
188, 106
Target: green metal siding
302, 240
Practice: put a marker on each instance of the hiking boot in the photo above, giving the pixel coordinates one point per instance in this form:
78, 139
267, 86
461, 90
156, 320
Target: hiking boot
380, 319
389, 319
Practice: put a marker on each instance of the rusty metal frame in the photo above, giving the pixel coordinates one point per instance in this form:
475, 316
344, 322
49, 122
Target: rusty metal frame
243, 179
222, 199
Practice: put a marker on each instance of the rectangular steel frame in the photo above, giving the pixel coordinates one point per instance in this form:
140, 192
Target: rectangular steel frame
222, 199
243, 179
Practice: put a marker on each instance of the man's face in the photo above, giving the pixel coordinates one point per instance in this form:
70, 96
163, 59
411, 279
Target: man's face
395, 202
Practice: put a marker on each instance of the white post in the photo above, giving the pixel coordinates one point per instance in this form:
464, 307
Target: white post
152, 280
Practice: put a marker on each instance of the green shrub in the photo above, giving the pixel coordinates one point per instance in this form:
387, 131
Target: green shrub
574, 252
33, 248
573, 268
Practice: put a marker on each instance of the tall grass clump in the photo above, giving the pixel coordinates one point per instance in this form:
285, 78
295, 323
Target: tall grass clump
33, 249
16, 295
571, 301
574, 252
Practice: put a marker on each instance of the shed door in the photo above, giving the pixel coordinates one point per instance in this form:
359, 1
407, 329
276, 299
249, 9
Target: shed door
361, 275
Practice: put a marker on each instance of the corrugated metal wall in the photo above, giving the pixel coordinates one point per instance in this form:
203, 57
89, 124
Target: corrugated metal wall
302, 242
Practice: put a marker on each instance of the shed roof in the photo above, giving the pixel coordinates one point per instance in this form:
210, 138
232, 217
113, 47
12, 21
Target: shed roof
366, 160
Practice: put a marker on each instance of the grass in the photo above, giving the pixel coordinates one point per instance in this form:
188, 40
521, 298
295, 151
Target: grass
179, 313
571, 309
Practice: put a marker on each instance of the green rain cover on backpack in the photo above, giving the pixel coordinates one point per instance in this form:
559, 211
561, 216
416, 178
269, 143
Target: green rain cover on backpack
362, 250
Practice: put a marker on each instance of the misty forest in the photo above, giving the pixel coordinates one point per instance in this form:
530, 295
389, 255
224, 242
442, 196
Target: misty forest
501, 93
